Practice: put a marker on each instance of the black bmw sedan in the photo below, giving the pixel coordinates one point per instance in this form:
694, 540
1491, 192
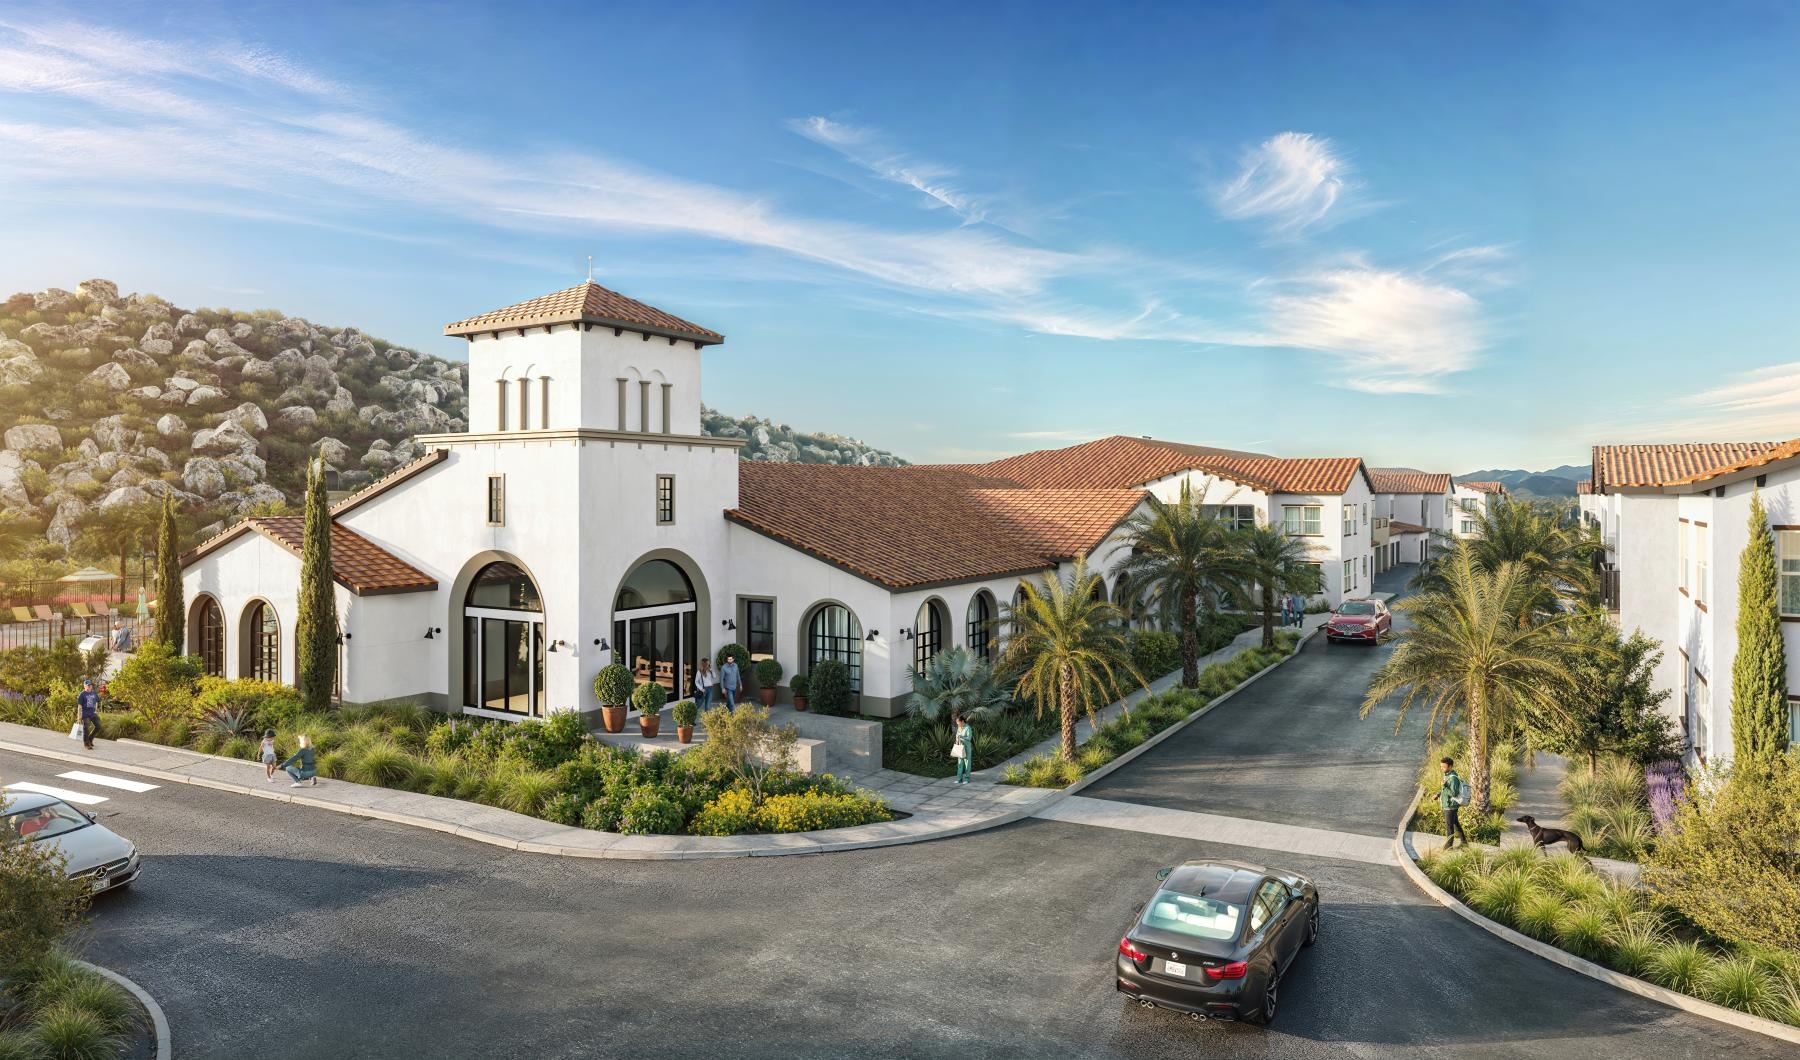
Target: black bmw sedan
1215, 939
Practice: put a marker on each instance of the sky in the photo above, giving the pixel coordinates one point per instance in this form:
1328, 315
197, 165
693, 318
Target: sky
1441, 235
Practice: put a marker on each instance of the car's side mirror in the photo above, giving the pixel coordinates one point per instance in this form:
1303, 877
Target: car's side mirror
91, 815
1163, 874
1296, 893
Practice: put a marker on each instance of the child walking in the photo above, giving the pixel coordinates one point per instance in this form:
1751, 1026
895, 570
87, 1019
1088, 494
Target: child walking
268, 753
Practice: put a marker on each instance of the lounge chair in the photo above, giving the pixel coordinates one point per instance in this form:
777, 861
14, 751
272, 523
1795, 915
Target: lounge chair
23, 614
43, 612
82, 611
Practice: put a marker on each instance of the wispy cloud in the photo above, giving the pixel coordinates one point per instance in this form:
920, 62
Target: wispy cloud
1756, 406
1290, 182
1059, 435
868, 149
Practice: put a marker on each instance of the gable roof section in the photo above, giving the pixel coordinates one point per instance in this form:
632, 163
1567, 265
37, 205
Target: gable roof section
389, 481
587, 303
1627, 466
360, 565
1484, 487
912, 527
1407, 480
1124, 462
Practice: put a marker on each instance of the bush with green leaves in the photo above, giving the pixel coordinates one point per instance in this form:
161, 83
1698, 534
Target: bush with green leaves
731, 652
613, 685
957, 681
685, 712
157, 683
33, 671
1155, 652
830, 687
814, 810
768, 673
648, 698
266, 703
651, 811
800, 683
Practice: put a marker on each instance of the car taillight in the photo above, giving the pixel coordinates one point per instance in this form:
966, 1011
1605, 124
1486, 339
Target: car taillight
1234, 970
1128, 949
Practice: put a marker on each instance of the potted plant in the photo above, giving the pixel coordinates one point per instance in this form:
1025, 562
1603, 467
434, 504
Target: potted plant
649, 698
799, 685
686, 710
768, 675
612, 687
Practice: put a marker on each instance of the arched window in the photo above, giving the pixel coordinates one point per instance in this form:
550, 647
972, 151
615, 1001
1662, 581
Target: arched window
262, 643
834, 633
1099, 593
928, 632
209, 636
980, 633
503, 642
655, 620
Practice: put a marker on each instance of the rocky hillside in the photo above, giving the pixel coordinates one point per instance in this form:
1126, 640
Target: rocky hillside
110, 401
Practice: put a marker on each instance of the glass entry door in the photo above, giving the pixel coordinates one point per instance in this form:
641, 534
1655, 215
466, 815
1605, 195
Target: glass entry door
658, 647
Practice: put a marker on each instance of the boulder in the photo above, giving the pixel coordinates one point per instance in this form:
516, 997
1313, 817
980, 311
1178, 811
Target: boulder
171, 426
66, 524
153, 455
298, 417
260, 371
378, 460
342, 403
28, 436
241, 330
158, 347
424, 419
131, 355
179, 383
198, 353
10, 348
260, 495
98, 290
145, 393
124, 495
202, 475
227, 438
20, 371
244, 470
125, 476
249, 416
335, 453
189, 324
161, 331
118, 316
316, 374
12, 480
354, 480
111, 433
205, 395
89, 450
289, 363
174, 397
55, 300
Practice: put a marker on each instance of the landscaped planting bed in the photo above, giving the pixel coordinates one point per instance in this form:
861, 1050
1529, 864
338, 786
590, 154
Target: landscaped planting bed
1610, 810
1561, 900
1146, 719
921, 746
1503, 787
54, 1007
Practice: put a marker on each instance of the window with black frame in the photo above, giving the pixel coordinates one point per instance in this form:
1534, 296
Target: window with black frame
264, 631
759, 628
928, 633
834, 633
980, 634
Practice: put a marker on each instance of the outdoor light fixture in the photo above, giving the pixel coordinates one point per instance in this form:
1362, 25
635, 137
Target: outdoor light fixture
905, 634
872, 634
431, 634
600, 642
728, 623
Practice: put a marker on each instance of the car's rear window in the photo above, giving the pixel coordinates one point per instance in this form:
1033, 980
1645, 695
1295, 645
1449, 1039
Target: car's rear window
1202, 918
1356, 609
44, 822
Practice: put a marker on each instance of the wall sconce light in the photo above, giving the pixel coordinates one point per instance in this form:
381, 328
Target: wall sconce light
872, 634
905, 634
552, 645
600, 642
342, 637
431, 634
728, 623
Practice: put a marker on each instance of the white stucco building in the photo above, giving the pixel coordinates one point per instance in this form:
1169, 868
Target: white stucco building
1676, 519
1410, 506
583, 518
1467, 502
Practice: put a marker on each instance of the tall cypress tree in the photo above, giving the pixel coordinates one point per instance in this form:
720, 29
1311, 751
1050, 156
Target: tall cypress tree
316, 634
1759, 710
171, 606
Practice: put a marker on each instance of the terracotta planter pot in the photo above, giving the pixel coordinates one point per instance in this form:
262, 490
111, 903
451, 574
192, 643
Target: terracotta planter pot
613, 718
799, 702
649, 725
684, 733
768, 696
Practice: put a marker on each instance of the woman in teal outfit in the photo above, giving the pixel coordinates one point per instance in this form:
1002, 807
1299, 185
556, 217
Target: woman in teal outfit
963, 748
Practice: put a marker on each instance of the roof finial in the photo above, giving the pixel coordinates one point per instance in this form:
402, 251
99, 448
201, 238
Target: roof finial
590, 268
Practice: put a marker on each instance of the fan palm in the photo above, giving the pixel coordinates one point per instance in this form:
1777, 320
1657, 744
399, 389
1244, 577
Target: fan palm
1467, 655
1276, 564
957, 681
1180, 559
1069, 649
1556, 556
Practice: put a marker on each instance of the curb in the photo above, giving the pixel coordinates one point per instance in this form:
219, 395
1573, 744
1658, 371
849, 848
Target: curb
1627, 983
159, 1024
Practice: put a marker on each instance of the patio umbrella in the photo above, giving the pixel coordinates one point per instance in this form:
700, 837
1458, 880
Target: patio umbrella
89, 574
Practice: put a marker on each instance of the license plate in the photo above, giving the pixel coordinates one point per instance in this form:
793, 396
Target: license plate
1174, 968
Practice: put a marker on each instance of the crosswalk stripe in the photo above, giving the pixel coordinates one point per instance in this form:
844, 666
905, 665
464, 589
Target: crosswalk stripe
79, 798
133, 786
1207, 827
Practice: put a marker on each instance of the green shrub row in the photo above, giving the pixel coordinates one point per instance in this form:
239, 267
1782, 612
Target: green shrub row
1561, 900
920, 745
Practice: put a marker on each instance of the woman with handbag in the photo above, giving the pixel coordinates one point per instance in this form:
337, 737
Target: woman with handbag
962, 747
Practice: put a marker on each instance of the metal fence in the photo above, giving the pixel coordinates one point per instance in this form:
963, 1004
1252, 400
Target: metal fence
41, 634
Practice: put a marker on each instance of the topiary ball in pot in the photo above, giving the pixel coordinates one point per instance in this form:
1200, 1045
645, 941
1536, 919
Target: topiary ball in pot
686, 712
800, 684
649, 698
613, 687
768, 676
733, 651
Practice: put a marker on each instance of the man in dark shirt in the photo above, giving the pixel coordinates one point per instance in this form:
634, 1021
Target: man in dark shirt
90, 714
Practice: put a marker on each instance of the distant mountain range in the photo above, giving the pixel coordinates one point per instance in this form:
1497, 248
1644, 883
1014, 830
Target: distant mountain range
1556, 482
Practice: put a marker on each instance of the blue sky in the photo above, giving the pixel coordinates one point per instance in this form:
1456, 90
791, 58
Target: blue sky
1451, 236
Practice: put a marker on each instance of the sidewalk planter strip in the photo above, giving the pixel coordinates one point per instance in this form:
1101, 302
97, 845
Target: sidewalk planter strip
1572, 933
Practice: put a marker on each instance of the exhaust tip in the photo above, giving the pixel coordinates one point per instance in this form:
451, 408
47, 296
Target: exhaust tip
1197, 1017
1145, 1002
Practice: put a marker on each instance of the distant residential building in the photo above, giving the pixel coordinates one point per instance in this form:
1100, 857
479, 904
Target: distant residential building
1675, 518
1409, 508
1467, 503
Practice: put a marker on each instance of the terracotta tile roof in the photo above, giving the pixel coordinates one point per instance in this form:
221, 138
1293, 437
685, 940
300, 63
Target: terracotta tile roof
917, 526
1619, 466
1398, 527
360, 565
1584, 487
1484, 487
389, 481
1122, 461
588, 302
1407, 480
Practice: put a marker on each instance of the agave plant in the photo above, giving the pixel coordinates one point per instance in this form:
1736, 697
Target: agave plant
226, 722
956, 682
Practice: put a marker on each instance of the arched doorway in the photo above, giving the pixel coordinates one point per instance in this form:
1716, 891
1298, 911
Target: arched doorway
654, 625
503, 642
928, 632
832, 632
260, 635
206, 630
980, 633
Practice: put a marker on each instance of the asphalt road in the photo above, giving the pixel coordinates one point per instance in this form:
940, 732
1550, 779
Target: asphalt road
275, 931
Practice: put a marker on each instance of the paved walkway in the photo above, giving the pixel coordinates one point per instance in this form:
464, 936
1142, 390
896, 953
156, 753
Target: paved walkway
1212, 828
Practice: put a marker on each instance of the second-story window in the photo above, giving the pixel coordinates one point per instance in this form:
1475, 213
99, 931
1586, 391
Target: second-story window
1303, 520
496, 500
1787, 543
1702, 587
665, 499
1349, 519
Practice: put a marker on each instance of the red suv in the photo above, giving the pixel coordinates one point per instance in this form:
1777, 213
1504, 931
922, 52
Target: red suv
1360, 620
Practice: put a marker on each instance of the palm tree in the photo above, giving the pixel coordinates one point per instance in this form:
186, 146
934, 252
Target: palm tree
1180, 560
1276, 563
1558, 558
1069, 648
1467, 655
956, 681
117, 531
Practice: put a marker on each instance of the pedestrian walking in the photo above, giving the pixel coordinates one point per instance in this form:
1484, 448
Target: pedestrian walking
1453, 796
730, 680
268, 753
962, 747
303, 764
704, 683
121, 638
89, 701
1287, 610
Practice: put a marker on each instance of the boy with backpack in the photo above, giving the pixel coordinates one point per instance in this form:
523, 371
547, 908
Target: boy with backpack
1453, 796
